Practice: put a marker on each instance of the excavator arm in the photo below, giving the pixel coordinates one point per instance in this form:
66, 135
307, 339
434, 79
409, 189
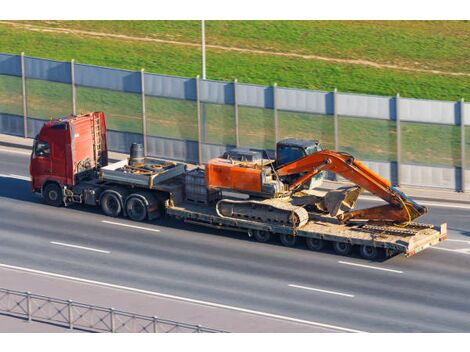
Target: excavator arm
401, 209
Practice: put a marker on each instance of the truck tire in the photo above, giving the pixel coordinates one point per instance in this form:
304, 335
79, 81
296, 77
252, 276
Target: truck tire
370, 252
53, 195
342, 248
111, 204
288, 240
315, 244
262, 236
136, 208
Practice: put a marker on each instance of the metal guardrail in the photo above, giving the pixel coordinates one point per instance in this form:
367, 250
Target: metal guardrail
88, 317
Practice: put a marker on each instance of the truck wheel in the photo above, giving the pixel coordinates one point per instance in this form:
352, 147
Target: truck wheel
52, 194
342, 248
136, 208
289, 240
315, 244
370, 252
262, 236
111, 204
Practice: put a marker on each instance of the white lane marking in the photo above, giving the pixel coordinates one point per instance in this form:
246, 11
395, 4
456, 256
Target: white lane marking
20, 177
323, 291
463, 241
79, 247
371, 267
461, 250
185, 299
126, 225
15, 151
434, 204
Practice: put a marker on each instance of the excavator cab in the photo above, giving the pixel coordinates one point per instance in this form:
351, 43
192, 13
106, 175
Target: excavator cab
292, 149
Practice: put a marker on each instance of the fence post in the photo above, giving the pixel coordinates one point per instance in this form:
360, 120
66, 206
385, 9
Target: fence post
74, 89
70, 314
398, 127
25, 97
276, 116
335, 119
113, 320
155, 321
199, 120
237, 121
144, 117
29, 306
462, 145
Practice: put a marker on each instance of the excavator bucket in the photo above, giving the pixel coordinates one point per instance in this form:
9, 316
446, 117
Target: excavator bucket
341, 200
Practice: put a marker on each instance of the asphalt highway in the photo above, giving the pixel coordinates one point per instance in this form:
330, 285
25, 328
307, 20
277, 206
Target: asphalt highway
429, 292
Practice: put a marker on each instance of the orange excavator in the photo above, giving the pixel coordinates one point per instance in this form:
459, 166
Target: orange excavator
280, 193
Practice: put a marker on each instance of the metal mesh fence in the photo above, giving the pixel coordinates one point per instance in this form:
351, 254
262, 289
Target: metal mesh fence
88, 317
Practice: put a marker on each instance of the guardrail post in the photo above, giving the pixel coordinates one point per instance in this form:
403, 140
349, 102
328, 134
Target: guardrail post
25, 97
276, 115
462, 145
398, 131
198, 328
237, 120
29, 306
199, 120
70, 314
144, 117
155, 321
335, 119
113, 319
74, 89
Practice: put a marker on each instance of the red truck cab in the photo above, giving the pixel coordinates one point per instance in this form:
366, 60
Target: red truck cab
66, 148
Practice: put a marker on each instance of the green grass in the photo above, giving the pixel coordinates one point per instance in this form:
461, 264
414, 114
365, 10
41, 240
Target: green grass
437, 45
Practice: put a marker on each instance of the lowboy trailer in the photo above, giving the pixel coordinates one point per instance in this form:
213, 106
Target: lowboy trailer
69, 164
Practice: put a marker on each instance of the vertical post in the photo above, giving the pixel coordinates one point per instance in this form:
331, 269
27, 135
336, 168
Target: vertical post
462, 144
113, 320
29, 306
335, 119
198, 328
74, 89
276, 116
25, 97
144, 117
203, 48
155, 321
397, 109
70, 314
199, 120
237, 121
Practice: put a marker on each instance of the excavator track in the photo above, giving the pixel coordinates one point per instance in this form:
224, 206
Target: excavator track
271, 211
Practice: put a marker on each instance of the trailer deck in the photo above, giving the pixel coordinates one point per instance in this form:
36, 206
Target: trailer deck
394, 240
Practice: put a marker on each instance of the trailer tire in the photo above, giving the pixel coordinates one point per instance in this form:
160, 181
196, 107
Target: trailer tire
288, 240
315, 244
136, 208
342, 248
111, 204
370, 252
53, 194
262, 236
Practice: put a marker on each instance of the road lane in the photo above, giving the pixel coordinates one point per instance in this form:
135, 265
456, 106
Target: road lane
226, 268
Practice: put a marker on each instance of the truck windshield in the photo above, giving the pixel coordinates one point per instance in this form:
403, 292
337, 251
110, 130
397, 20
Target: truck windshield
42, 149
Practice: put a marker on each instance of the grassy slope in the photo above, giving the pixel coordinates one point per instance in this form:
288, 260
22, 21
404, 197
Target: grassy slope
365, 138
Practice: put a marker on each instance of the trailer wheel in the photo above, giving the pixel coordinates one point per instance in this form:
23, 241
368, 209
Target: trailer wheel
342, 248
136, 208
262, 236
52, 194
288, 240
370, 252
111, 204
315, 244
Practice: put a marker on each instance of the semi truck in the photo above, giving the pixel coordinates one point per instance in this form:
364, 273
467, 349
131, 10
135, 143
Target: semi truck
242, 190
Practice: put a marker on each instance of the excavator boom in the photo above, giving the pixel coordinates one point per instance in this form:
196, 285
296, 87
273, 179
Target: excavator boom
401, 209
